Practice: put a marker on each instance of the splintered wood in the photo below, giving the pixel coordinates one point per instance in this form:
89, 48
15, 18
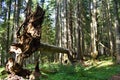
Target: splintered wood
28, 41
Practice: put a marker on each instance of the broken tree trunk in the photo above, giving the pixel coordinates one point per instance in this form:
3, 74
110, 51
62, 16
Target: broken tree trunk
29, 39
29, 42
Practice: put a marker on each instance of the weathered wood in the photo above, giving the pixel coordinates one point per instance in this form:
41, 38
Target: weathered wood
55, 49
28, 43
41, 47
51, 48
14, 68
29, 40
14, 77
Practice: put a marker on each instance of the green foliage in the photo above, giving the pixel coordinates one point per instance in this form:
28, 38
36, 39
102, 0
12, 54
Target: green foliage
101, 70
2, 36
48, 29
2, 76
2, 28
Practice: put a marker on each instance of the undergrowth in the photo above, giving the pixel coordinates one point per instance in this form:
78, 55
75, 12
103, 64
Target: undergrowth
101, 70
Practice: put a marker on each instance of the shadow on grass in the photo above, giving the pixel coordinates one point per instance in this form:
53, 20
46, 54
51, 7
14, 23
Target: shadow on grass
102, 70
78, 72
102, 73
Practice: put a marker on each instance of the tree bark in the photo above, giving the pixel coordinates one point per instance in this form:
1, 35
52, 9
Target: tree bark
29, 42
58, 29
117, 27
51, 48
54, 49
80, 33
8, 25
94, 52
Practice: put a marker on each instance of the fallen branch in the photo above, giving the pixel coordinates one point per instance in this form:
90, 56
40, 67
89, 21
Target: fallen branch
55, 49
51, 48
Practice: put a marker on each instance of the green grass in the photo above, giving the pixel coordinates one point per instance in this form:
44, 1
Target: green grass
101, 70
2, 76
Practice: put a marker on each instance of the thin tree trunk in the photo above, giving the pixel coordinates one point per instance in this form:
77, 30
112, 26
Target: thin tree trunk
8, 26
13, 36
64, 30
18, 12
70, 26
79, 29
1, 50
60, 25
57, 24
110, 35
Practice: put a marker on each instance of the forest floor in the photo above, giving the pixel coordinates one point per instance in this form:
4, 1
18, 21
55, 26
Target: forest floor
103, 69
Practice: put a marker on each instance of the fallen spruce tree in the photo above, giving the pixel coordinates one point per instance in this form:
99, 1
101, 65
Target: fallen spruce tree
29, 42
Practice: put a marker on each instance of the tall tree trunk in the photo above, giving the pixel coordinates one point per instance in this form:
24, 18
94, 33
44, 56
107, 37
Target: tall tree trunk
94, 52
13, 36
18, 12
0, 51
8, 25
3, 57
60, 25
79, 29
64, 29
109, 24
101, 36
70, 25
57, 24
117, 30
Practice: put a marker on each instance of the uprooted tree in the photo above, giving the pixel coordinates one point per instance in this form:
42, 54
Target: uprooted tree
28, 41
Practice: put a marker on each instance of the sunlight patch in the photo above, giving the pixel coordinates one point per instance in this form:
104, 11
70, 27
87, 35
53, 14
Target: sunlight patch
104, 63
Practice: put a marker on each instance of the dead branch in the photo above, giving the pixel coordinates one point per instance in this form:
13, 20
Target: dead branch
55, 49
